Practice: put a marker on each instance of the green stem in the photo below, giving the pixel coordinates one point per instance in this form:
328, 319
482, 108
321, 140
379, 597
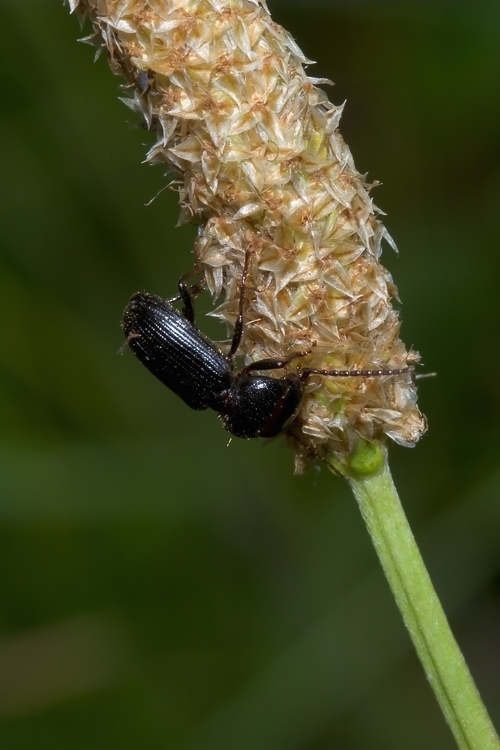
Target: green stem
370, 479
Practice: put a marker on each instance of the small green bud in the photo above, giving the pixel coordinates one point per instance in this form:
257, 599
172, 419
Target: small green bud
368, 459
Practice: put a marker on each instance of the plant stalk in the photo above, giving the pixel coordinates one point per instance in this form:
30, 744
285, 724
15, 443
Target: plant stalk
370, 479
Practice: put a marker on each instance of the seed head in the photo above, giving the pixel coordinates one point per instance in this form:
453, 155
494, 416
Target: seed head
260, 165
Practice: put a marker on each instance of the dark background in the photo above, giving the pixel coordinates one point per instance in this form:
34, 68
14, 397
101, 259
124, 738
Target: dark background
158, 588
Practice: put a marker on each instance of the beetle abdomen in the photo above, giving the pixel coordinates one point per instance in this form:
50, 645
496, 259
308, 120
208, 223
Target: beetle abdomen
175, 351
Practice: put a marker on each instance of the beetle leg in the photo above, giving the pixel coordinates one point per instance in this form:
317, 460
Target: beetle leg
273, 364
238, 326
186, 295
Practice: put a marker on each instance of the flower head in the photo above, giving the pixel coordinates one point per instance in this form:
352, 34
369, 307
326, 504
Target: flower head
262, 168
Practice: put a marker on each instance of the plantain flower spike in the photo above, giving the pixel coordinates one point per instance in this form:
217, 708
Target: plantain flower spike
261, 167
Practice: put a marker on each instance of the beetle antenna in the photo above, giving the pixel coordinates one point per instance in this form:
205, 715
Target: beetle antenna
355, 373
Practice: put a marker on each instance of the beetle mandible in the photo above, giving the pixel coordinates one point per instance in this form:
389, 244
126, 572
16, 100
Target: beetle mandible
170, 345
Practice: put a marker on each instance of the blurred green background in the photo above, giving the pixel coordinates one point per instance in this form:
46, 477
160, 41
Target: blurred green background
159, 588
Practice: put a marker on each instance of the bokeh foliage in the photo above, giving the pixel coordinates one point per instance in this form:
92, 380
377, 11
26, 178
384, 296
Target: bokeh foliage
158, 587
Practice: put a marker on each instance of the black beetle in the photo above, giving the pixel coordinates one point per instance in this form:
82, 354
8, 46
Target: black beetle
174, 349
